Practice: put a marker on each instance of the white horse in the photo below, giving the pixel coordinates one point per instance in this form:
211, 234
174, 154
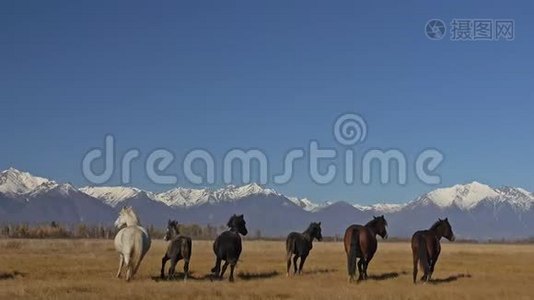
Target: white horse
132, 242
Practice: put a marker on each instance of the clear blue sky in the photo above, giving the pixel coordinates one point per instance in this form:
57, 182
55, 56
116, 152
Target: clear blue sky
270, 75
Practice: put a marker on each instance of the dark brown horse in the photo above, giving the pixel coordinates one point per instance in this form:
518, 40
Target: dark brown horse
228, 247
178, 248
426, 247
360, 242
299, 245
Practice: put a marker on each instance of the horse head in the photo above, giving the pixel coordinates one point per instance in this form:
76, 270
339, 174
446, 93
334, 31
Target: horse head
446, 229
315, 231
237, 223
381, 226
126, 217
172, 230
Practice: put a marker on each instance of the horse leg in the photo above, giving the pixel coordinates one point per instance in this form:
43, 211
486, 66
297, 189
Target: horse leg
427, 270
365, 264
232, 267
172, 268
121, 263
217, 267
434, 261
223, 269
415, 264
360, 269
288, 264
186, 268
295, 264
129, 267
164, 260
351, 265
302, 260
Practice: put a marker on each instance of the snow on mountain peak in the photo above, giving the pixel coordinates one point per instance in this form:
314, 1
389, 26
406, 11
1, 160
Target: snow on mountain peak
193, 197
15, 182
184, 197
233, 192
387, 208
307, 204
464, 196
18, 183
111, 195
517, 196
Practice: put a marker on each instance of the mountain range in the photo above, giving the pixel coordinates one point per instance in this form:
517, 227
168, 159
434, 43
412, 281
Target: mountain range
476, 211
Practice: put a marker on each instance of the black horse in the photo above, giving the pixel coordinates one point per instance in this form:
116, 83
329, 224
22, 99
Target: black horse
179, 247
299, 245
227, 246
360, 242
426, 247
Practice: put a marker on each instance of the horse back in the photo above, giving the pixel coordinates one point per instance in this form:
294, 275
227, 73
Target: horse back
296, 243
353, 234
362, 240
428, 240
132, 239
227, 245
180, 247
187, 246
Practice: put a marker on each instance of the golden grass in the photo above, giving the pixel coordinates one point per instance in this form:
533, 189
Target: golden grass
85, 269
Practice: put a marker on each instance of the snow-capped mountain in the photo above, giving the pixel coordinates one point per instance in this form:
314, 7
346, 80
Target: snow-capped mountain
307, 204
468, 196
476, 210
387, 208
112, 196
183, 197
14, 182
28, 198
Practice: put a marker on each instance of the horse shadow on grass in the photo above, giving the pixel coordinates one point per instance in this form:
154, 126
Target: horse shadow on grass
320, 271
12, 275
386, 276
209, 277
449, 279
257, 276
179, 276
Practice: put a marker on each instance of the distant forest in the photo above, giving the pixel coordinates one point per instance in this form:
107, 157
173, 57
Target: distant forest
54, 230
82, 231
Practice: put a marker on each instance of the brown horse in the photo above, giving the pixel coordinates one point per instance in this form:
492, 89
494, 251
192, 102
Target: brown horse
360, 242
426, 247
178, 248
299, 245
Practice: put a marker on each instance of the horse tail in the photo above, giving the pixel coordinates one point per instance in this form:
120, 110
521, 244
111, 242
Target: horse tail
217, 266
138, 251
186, 248
352, 254
423, 254
290, 246
136, 254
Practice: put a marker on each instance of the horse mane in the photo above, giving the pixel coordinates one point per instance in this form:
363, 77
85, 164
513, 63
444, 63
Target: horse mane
374, 221
371, 223
309, 229
436, 225
229, 224
133, 215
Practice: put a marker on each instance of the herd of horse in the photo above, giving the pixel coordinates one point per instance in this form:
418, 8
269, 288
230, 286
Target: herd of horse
133, 241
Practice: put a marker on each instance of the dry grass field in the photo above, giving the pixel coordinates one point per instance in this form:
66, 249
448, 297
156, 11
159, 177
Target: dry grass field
85, 269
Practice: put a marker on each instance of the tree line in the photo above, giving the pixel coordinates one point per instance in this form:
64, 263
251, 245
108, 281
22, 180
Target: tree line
85, 231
